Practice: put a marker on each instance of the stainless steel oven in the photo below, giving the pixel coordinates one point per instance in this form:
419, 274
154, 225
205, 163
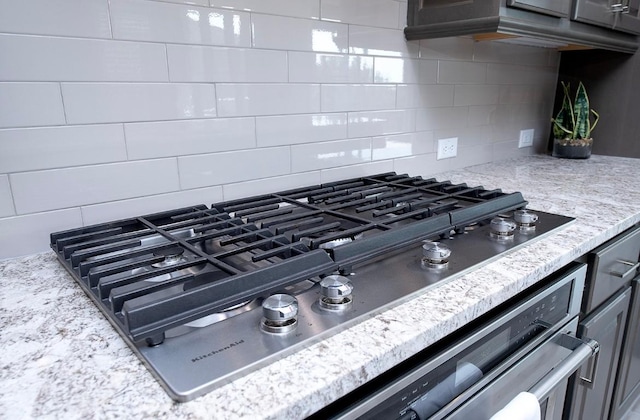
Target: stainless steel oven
528, 344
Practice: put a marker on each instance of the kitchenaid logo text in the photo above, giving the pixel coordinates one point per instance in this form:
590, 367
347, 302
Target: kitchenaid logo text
214, 352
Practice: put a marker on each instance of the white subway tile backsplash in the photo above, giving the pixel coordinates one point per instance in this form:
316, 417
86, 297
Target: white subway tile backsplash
30, 104
6, 198
402, 145
123, 102
267, 99
175, 138
29, 234
70, 187
298, 8
284, 130
309, 67
452, 48
28, 149
266, 185
229, 167
82, 18
424, 96
508, 53
462, 72
380, 41
27, 58
378, 13
354, 171
397, 70
337, 98
476, 95
305, 157
188, 63
377, 123
114, 210
439, 118
274, 32
155, 21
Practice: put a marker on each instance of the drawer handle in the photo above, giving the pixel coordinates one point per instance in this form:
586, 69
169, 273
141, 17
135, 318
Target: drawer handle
593, 367
634, 266
619, 8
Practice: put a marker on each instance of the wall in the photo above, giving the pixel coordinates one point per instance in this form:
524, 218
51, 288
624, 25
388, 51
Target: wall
120, 108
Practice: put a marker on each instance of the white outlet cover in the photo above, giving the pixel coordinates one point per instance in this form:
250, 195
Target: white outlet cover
526, 138
447, 148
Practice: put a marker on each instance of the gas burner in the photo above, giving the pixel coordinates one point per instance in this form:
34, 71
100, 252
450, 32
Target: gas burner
435, 256
502, 229
172, 256
335, 293
280, 314
213, 318
340, 241
526, 220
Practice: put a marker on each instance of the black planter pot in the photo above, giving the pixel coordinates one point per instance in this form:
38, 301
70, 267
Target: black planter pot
572, 149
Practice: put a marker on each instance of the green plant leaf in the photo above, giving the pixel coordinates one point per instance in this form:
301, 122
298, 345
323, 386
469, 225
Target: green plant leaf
582, 129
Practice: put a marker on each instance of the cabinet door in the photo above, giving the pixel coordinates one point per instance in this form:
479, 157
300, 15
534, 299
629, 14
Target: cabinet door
606, 326
558, 8
608, 13
628, 381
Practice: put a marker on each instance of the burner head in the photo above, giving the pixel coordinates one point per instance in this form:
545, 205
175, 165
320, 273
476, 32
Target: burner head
502, 229
435, 255
172, 256
335, 293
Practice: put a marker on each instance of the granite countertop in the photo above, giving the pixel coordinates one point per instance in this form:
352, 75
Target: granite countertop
61, 358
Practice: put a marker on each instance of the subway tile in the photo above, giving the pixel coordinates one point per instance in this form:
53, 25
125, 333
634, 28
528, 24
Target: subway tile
452, 48
190, 63
401, 145
285, 33
355, 171
23, 235
60, 188
122, 209
397, 70
377, 13
459, 72
6, 198
175, 138
336, 98
424, 96
377, 123
305, 157
476, 95
423, 165
155, 21
125, 102
284, 130
30, 104
28, 149
69, 59
521, 94
439, 118
195, 2
329, 68
267, 99
380, 41
501, 52
298, 8
513, 74
269, 185
82, 18
402, 14
428, 71
228, 167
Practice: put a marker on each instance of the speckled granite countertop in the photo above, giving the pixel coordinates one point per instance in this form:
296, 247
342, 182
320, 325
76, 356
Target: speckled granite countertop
61, 358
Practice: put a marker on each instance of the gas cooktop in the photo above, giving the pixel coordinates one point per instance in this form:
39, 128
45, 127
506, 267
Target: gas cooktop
204, 295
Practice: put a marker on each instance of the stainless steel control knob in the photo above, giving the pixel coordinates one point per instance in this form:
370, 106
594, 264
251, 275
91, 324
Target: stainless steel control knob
335, 287
280, 307
435, 251
525, 217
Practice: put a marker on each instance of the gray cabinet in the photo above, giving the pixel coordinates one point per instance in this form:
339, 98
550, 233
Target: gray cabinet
606, 326
619, 15
559, 8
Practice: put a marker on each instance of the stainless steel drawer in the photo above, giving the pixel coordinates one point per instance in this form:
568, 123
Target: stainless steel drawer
612, 265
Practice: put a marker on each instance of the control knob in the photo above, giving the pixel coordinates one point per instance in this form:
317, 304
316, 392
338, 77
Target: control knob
279, 314
335, 293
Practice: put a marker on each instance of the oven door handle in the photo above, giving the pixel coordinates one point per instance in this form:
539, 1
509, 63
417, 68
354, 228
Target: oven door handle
583, 350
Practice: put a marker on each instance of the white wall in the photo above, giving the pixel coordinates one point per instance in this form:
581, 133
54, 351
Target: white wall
110, 109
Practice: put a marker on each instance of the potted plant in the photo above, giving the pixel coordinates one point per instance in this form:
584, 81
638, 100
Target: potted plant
572, 125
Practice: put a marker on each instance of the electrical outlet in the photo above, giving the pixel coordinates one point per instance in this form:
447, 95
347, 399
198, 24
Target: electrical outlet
447, 148
526, 138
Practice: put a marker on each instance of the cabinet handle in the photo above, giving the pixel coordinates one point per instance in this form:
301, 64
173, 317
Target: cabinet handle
619, 8
593, 366
634, 266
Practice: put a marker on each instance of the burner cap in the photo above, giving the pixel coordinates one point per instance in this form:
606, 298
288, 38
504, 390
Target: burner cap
174, 251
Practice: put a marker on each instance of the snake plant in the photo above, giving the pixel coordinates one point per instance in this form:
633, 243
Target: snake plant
573, 121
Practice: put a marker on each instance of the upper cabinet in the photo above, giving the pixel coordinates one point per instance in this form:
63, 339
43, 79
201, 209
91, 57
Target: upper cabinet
619, 15
562, 24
